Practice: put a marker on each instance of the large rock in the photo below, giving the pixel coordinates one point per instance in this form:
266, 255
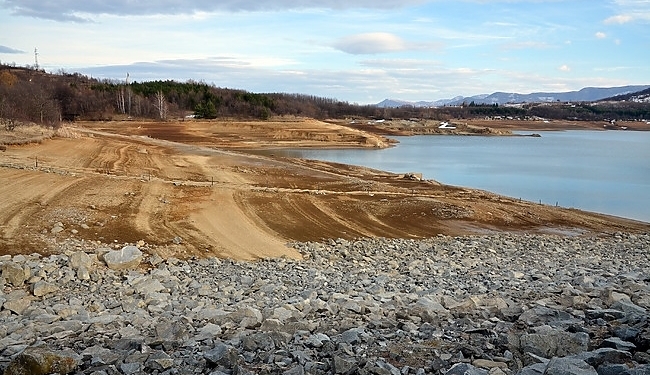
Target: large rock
17, 301
80, 259
344, 365
159, 361
40, 361
222, 355
548, 342
569, 366
41, 288
247, 317
127, 258
605, 355
15, 273
465, 369
429, 310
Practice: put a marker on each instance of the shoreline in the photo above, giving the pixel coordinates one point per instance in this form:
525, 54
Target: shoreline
186, 193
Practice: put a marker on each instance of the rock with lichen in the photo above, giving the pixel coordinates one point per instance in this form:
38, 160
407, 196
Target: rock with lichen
40, 361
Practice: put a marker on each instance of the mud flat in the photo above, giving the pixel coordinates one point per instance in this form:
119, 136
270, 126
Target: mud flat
185, 188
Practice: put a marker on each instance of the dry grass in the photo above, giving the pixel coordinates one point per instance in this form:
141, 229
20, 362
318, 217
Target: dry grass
25, 134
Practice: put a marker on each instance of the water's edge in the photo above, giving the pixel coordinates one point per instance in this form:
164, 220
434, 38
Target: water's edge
600, 171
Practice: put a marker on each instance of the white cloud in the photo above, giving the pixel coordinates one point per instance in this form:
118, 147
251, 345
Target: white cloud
618, 19
408, 79
400, 64
630, 11
5, 49
82, 11
525, 45
370, 43
381, 42
601, 35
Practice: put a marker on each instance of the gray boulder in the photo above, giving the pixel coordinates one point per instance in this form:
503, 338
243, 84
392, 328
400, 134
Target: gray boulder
549, 342
126, 258
159, 360
602, 356
616, 343
222, 355
41, 288
428, 310
15, 273
17, 301
616, 369
465, 369
80, 259
569, 366
345, 365
534, 369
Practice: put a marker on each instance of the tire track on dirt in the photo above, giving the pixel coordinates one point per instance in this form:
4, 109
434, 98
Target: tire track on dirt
21, 204
234, 233
150, 214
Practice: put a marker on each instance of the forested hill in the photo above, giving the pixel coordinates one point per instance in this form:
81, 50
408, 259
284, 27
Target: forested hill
29, 95
34, 95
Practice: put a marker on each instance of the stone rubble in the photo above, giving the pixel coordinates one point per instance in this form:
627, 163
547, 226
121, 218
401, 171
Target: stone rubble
495, 304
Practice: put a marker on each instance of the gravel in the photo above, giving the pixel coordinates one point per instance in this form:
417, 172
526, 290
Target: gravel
494, 304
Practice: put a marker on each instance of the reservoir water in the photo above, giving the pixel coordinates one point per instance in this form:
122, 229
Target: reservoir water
600, 171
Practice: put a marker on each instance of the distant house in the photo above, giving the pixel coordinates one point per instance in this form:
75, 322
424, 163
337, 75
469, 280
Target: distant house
446, 125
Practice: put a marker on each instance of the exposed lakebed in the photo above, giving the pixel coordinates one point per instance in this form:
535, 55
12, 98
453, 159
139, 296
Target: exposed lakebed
601, 171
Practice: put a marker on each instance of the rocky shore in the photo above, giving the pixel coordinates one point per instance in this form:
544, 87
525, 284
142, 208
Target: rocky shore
493, 304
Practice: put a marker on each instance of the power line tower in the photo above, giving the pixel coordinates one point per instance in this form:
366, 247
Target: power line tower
36, 58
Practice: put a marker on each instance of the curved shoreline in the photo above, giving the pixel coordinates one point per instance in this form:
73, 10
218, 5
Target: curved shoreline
192, 197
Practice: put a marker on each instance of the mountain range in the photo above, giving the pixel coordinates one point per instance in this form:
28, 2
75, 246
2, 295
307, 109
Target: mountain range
587, 94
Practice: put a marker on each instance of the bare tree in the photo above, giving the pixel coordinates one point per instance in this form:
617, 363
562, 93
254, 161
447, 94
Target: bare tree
120, 101
161, 105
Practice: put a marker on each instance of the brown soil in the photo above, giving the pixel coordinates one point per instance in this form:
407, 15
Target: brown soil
156, 181
559, 125
485, 127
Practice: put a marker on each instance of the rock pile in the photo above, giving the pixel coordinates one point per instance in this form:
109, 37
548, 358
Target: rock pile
494, 304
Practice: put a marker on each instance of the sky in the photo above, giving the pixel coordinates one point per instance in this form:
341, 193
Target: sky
359, 51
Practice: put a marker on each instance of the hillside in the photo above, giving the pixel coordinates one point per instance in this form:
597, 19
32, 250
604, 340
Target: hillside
47, 98
28, 95
642, 96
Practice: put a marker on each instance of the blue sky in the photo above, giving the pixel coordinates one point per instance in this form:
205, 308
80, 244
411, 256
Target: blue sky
358, 51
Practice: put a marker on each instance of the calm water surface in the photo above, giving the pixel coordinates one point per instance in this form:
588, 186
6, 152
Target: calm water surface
601, 171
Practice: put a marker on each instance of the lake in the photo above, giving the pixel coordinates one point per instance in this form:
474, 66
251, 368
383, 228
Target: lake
600, 171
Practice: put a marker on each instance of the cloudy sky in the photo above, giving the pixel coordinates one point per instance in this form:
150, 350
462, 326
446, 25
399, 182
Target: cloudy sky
359, 51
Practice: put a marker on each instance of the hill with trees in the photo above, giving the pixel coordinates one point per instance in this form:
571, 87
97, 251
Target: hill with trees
32, 95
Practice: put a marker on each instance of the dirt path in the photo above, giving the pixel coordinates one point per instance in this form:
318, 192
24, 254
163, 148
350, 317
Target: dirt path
122, 189
192, 198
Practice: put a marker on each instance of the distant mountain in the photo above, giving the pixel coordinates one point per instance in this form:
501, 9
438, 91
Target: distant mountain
587, 94
638, 97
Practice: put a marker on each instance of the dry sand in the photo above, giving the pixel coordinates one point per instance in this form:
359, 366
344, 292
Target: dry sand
183, 187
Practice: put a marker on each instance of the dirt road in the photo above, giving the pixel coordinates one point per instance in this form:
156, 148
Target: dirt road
176, 186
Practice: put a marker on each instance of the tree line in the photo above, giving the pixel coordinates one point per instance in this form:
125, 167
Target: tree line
48, 98
28, 94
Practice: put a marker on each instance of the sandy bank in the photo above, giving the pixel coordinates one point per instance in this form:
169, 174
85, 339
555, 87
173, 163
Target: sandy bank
183, 187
